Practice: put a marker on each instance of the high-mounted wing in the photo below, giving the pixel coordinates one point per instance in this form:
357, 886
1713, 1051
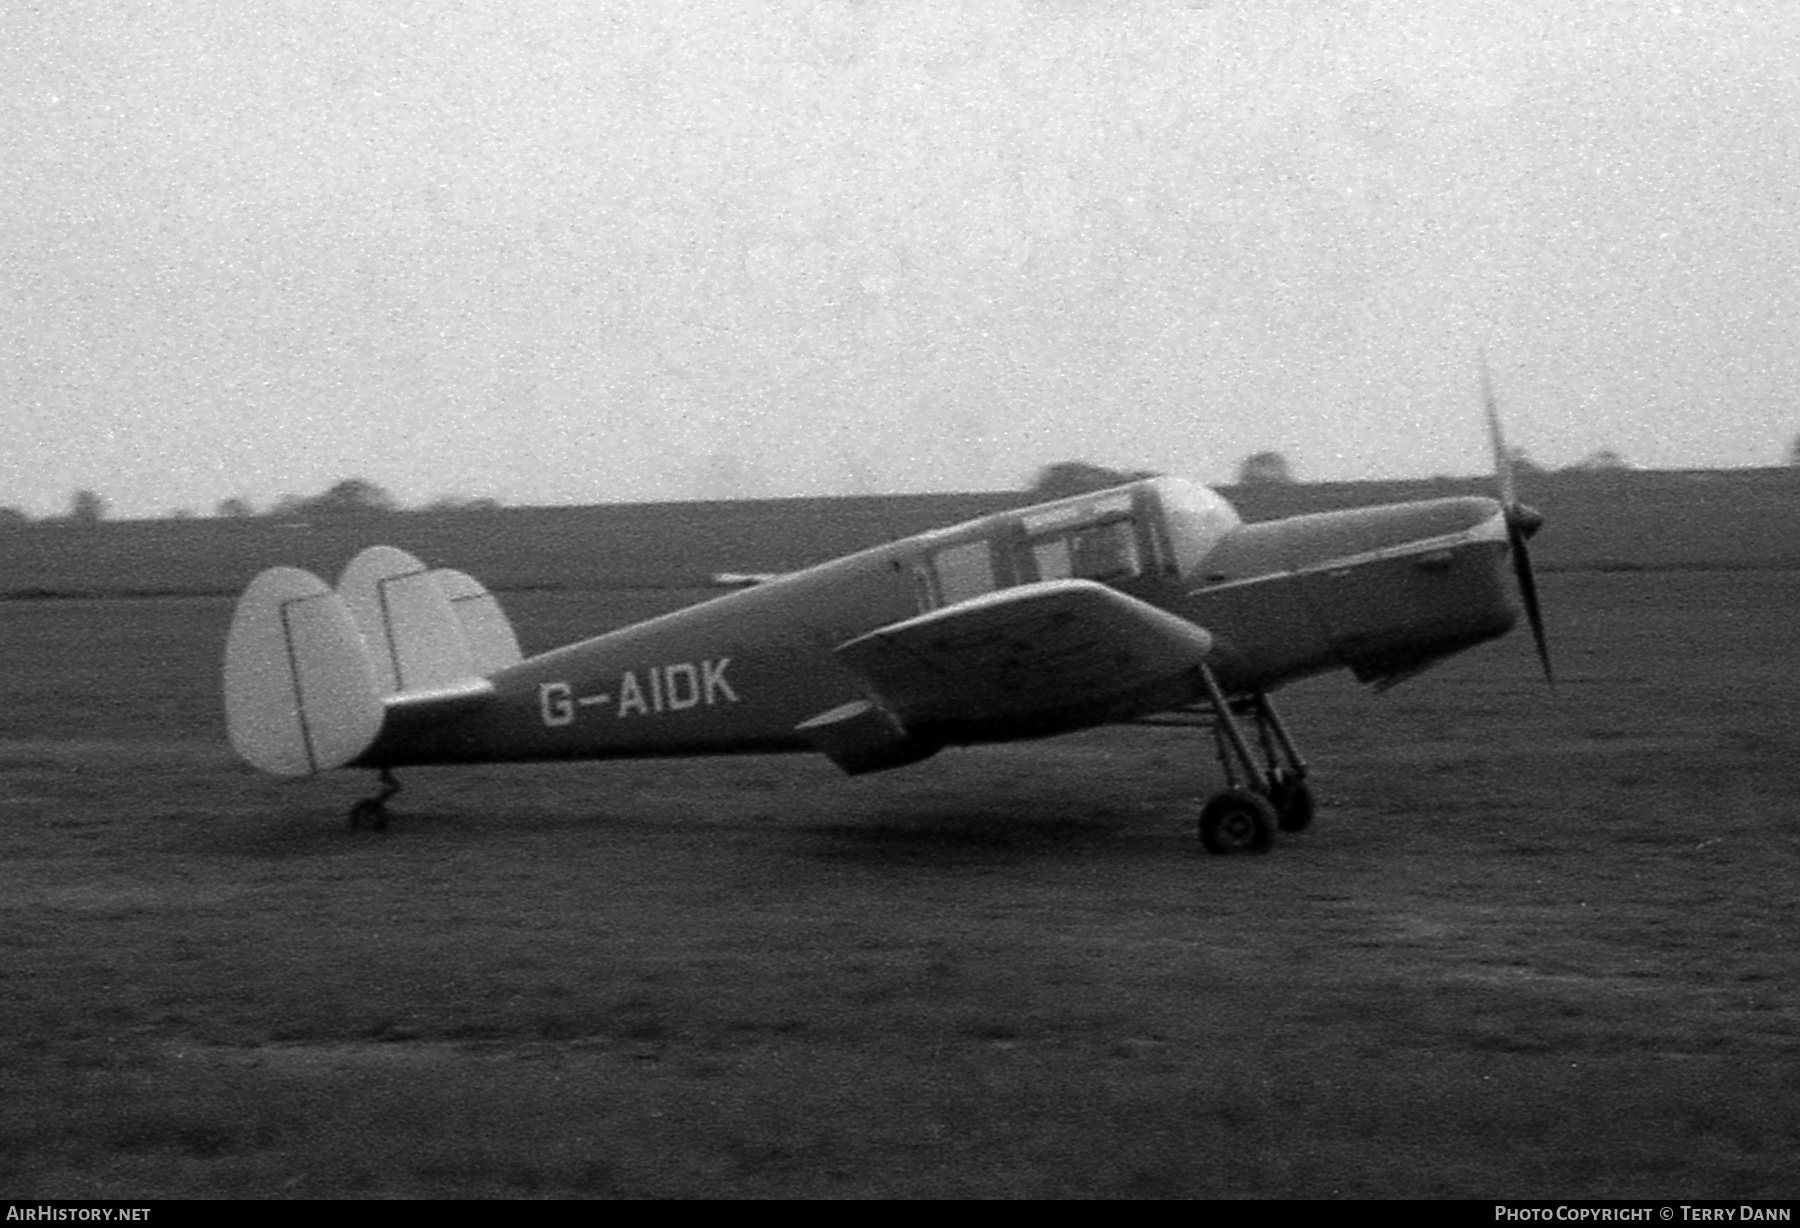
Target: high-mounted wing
1059, 654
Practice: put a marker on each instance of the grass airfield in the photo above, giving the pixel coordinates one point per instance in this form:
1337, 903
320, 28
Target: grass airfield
1536, 946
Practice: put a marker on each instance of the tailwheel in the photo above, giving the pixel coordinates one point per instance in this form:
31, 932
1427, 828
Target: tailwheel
1292, 799
1237, 821
371, 812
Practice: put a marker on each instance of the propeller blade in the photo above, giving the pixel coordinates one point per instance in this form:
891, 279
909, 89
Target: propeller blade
1503, 460
1516, 534
1521, 523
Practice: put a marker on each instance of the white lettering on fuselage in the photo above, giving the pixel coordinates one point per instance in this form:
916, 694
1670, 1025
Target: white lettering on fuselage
660, 688
712, 674
631, 699
553, 703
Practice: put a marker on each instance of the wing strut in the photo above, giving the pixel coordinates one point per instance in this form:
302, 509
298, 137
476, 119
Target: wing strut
1240, 766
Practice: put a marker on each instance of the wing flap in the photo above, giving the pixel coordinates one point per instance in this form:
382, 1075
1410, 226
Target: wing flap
1052, 650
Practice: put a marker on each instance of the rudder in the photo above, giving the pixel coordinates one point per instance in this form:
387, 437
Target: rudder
492, 643
414, 636
300, 689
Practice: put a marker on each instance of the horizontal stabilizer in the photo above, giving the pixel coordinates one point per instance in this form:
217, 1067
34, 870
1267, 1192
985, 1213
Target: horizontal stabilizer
1057, 650
301, 694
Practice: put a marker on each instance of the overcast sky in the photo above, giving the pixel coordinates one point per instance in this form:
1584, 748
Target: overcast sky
571, 252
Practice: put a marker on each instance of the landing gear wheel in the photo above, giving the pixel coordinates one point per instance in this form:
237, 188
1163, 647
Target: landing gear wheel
1237, 821
369, 813
1292, 799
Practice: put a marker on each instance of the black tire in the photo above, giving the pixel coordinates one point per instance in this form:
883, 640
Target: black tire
1237, 822
1293, 802
370, 814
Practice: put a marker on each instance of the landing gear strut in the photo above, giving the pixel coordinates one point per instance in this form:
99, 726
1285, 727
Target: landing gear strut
371, 812
1258, 798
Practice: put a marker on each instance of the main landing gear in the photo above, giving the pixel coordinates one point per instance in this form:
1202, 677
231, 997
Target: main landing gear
1258, 798
371, 812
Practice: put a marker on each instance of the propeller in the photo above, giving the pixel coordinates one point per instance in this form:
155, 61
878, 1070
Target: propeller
1521, 523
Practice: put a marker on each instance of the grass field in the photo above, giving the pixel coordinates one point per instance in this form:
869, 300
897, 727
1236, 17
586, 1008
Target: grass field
1537, 945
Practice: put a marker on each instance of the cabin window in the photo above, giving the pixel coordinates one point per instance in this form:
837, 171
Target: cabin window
964, 571
924, 585
1052, 558
1106, 552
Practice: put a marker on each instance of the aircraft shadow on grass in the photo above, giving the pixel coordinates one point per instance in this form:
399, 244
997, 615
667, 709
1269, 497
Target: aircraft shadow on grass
1151, 602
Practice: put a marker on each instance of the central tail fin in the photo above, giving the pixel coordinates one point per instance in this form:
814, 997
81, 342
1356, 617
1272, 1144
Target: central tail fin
411, 631
490, 638
425, 628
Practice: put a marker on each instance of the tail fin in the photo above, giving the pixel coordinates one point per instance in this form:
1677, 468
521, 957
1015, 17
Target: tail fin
301, 693
492, 643
311, 672
413, 633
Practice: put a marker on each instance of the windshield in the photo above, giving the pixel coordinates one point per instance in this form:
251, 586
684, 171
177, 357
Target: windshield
1197, 519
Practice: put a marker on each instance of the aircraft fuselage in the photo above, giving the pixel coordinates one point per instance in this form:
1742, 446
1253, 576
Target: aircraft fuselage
1382, 591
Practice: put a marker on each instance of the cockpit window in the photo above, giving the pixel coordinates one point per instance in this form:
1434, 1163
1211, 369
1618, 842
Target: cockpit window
1087, 539
1077, 511
1195, 518
964, 571
1160, 527
1053, 561
1105, 552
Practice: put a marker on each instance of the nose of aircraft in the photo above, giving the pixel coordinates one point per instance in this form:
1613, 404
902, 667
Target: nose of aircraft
1525, 518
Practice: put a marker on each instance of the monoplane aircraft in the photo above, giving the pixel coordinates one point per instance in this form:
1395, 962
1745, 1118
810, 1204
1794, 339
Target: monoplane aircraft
1150, 598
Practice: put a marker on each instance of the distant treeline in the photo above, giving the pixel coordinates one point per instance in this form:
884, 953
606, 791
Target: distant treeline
359, 497
354, 497
1623, 519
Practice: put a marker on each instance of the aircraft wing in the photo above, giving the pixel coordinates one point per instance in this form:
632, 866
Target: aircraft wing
1051, 653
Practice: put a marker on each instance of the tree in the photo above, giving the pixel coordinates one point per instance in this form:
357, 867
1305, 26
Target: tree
86, 507
1066, 478
13, 518
1602, 460
1522, 462
1794, 451
1265, 469
234, 508
353, 497
350, 497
